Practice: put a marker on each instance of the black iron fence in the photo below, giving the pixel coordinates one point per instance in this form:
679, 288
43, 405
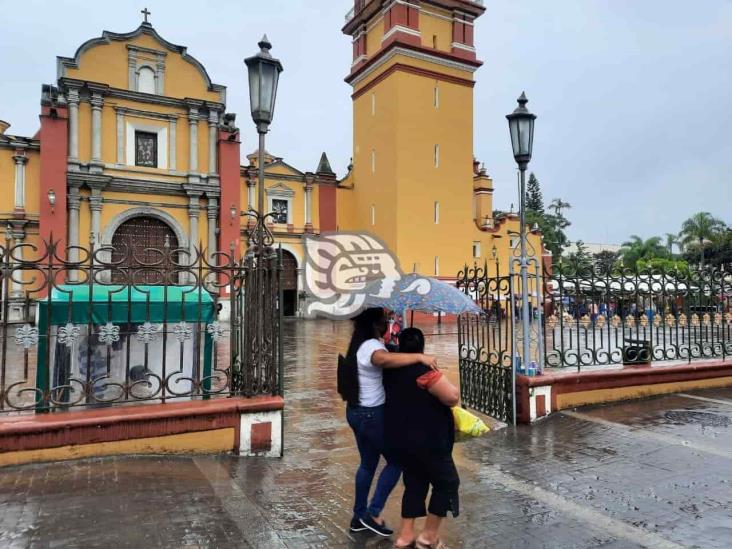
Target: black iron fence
115, 326
622, 316
583, 316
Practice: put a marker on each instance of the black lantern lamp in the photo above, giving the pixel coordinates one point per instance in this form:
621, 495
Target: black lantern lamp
264, 73
521, 124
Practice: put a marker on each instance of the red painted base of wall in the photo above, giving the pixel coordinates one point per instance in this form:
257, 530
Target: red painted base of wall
612, 385
54, 430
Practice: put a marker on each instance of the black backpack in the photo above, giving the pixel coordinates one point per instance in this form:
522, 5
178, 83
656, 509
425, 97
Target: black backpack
348, 386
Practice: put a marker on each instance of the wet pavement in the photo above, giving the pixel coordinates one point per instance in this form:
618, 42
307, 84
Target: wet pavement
652, 473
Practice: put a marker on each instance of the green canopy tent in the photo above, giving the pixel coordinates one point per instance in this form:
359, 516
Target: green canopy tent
99, 321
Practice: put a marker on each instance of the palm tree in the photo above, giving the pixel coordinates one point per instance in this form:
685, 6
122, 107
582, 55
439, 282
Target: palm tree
636, 249
671, 240
699, 230
558, 205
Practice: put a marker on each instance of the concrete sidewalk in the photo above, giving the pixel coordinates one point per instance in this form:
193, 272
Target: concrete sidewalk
652, 473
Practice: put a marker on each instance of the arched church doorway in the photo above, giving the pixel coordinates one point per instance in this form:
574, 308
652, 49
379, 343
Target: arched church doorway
134, 243
289, 284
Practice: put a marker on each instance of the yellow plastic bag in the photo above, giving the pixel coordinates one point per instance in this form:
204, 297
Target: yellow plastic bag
467, 425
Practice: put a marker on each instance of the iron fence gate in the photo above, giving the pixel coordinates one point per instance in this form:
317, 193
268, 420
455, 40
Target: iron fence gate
582, 315
486, 344
103, 326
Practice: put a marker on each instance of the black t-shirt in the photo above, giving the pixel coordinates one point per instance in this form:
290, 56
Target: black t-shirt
413, 418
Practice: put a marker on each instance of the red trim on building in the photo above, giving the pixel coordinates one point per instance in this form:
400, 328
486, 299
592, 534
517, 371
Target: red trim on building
355, 72
327, 205
54, 151
400, 67
229, 172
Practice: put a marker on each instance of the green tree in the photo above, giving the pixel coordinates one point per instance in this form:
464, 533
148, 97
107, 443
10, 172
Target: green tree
557, 205
665, 265
605, 261
672, 240
718, 253
700, 230
534, 198
580, 259
636, 249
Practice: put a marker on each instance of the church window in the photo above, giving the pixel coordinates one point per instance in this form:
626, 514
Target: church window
280, 209
437, 96
373, 161
434, 41
437, 265
373, 104
373, 214
437, 213
514, 242
476, 249
437, 156
146, 80
146, 149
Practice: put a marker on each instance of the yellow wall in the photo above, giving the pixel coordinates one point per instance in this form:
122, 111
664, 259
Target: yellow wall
431, 26
107, 63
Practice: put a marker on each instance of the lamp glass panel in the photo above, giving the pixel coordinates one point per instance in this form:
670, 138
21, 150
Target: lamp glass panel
254, 87
524, 125
267, 89
513, 126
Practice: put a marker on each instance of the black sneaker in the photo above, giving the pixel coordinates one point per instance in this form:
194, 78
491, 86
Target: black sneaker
375, 527
356, 525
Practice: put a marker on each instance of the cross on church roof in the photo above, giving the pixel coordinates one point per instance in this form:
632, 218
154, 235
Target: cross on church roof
145, 12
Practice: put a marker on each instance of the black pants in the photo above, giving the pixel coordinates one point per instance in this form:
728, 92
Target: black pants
423, 468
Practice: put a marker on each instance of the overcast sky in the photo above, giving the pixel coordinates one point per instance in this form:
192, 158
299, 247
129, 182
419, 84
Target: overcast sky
633, 96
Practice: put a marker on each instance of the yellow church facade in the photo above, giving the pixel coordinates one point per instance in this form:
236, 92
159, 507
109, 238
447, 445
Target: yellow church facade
136, 148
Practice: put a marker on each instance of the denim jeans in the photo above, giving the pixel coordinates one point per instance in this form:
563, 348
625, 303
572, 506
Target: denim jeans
368, 428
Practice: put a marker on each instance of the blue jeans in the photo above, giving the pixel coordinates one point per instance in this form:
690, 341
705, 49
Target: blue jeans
368, 428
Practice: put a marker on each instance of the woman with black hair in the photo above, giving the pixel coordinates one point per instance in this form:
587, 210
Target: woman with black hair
360, 385
419, 434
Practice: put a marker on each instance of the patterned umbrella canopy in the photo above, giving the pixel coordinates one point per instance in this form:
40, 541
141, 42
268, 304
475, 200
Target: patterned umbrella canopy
418, 293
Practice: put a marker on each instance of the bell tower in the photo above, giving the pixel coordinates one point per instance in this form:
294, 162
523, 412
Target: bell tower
412, 174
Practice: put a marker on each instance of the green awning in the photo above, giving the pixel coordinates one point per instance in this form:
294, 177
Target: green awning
119, 304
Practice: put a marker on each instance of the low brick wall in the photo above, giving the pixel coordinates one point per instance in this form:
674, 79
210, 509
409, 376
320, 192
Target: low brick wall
541, 395
212, 426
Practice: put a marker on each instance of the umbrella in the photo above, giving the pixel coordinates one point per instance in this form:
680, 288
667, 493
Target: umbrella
419, 293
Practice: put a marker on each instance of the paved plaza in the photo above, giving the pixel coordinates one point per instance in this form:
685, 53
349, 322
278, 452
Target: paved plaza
652, 473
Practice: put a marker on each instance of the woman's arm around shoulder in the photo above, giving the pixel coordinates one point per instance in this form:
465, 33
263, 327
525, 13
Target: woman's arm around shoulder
385, 359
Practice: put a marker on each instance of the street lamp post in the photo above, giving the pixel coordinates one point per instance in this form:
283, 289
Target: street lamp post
521, 125
264, 73
260, 344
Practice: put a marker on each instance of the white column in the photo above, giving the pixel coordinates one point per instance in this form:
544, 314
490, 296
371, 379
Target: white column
309, 206
213, 124
193, 141
17, 254
250, 194
121, 137
131, 70
74, 202
194, 209
73, 99
213, 215
96, 103
173, 143
20, 161
160, 75
95, 207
